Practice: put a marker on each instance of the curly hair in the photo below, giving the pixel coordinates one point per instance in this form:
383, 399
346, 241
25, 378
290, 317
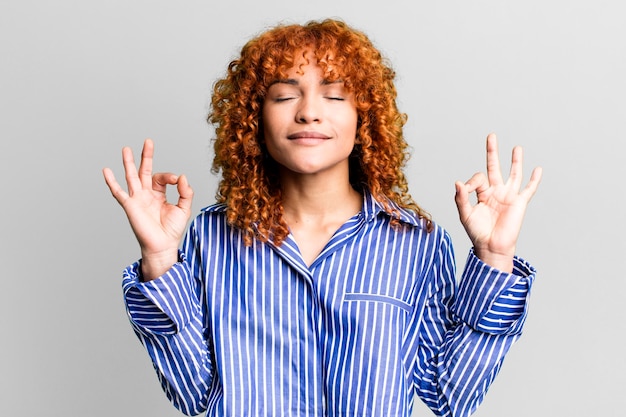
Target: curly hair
250, 187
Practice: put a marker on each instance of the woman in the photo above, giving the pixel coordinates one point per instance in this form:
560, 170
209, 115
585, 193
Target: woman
316, 286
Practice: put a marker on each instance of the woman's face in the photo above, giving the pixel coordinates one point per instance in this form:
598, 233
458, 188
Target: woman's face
309, 123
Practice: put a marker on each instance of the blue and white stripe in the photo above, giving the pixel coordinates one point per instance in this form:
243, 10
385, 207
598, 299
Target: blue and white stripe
375, 319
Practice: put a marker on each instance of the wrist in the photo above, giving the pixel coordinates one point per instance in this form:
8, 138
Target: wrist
153, 265
500, 261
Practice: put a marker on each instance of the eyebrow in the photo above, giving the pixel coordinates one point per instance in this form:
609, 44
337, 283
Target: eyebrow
293, 81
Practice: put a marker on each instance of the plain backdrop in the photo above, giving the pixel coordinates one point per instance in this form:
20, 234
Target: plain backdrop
81, 79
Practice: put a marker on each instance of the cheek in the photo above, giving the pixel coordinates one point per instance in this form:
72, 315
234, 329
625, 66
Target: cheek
266, 128
272, 120
351, 123
269, 133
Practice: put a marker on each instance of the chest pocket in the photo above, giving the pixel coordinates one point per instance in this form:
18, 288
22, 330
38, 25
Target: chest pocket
376, 298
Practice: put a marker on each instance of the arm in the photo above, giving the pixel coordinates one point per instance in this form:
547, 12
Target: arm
162, 291
167, 317
464, 334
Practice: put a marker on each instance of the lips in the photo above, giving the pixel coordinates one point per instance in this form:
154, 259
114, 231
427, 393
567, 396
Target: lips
307, 135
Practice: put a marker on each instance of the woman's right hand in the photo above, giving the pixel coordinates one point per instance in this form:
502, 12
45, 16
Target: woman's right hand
158, 225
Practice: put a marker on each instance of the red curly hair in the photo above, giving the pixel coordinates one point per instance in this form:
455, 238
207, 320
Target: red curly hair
250, 187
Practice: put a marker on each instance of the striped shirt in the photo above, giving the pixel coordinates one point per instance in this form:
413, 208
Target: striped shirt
375, 319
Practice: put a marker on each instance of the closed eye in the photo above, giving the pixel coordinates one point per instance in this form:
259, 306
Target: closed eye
282, 99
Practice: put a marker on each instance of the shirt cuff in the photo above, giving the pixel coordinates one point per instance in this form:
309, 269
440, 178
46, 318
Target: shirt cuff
162, 306
492, 301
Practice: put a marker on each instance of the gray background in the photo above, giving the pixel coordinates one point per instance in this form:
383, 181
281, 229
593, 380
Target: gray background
80, 79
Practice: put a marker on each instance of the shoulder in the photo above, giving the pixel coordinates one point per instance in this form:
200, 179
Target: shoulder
431, 238
215, 213
431, 232
214, 208
212, 225
408, 218
424, 233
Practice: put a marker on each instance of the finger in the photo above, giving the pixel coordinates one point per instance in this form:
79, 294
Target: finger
478, 183
161, 180
494, 172
116, 190
130, 170
515, 174
186, 194
535, 178
145, 168
461, 198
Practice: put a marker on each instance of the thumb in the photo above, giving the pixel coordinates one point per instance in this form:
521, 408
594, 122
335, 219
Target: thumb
461, 199
185, 193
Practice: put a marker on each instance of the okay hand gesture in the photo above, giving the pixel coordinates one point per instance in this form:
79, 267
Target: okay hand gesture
494, 222
158, 225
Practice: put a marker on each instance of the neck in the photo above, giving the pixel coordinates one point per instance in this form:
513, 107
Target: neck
316, 199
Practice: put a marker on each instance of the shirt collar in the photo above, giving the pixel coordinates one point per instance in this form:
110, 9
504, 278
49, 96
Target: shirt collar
372, 208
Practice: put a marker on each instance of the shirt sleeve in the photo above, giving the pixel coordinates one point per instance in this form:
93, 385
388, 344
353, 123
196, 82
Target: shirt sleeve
466, 331
492, 301
163, 306
166, 316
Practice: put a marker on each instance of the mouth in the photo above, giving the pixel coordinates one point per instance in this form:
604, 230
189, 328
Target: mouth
307, 135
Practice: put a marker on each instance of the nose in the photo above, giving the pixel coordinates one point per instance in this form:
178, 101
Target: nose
309, 110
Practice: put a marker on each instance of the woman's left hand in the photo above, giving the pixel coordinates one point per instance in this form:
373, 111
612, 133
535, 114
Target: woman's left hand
494, 222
